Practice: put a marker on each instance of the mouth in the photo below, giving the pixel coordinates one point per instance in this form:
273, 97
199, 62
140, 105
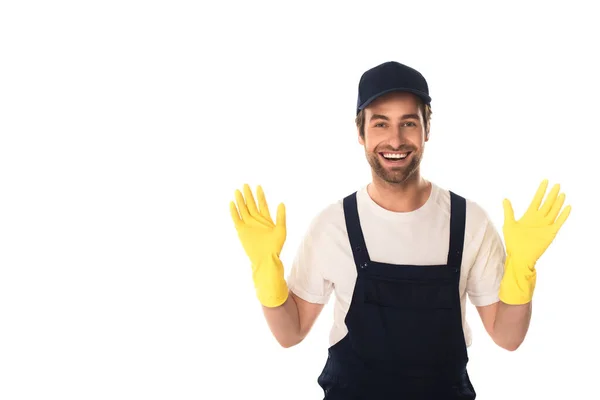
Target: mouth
395, 157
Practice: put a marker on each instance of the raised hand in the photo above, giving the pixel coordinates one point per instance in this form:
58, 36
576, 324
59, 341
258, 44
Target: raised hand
527, 239
262, 240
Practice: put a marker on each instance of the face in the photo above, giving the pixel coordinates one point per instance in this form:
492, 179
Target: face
394, 136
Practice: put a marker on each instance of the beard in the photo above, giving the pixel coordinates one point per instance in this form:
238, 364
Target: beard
395, 174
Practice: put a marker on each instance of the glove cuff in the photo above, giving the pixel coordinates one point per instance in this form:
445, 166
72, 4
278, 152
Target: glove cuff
269, 283
518, 283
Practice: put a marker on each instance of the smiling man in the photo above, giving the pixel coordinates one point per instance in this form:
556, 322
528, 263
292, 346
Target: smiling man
402, 255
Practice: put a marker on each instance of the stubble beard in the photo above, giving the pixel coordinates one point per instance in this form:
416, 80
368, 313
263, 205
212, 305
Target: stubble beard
395, 175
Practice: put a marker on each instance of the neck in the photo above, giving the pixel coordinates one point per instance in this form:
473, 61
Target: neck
400, 197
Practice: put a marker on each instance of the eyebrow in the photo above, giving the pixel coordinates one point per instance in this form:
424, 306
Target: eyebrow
405, 116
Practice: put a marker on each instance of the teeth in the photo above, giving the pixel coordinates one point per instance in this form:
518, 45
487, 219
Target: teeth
395, 155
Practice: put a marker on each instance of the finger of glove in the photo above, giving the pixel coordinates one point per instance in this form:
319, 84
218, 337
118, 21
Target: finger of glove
539, 195
281, 220
252, 208
250, 201
550, 200
241, 206
556, 207
562, 218
263, 207
509, 214
235, 216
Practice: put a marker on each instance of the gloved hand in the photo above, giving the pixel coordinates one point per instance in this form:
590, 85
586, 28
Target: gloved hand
262, 240
527, 239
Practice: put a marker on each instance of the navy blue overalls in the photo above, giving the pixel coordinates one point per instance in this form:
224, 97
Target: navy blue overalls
405, 335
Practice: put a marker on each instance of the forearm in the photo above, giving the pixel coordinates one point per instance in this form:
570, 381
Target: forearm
284, 322
511, 324
526, 240
513, 315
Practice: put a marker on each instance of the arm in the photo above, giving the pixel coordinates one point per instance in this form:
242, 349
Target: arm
506, 324
485, 275
289, 317
507, 321
309, 290
291, 322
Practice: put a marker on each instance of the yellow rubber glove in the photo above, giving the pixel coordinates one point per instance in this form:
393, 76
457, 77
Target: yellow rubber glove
527, 239
263, 241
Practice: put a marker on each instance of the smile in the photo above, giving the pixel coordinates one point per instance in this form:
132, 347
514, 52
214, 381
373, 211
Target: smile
395, 157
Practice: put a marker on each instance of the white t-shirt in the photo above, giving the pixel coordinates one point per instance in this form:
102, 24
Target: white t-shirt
324, 263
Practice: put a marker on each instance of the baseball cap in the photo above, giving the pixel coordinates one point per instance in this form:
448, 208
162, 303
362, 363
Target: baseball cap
389, 77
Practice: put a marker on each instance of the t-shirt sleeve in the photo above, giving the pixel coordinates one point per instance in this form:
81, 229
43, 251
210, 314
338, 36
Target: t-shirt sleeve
486, 273
306, 278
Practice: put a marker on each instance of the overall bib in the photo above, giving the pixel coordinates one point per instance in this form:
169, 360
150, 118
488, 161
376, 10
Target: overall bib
405, 335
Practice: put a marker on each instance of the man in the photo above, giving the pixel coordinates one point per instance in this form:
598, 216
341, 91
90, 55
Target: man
401, 254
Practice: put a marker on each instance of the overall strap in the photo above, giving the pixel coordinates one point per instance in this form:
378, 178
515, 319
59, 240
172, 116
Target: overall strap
458, 209
355, 234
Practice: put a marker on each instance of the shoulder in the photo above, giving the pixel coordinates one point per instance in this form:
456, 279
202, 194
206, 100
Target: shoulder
329, 219
478, 220
474, 210
476, 214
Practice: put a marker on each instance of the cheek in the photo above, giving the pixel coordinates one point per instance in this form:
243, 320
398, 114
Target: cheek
417, 138
371, 141
370, 145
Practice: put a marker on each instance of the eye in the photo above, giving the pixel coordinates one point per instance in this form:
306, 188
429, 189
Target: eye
380, 125
409, 123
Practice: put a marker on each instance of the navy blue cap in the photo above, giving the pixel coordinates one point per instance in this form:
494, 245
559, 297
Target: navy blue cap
389, 77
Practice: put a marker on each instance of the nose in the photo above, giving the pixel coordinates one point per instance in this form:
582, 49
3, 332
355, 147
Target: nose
397, 138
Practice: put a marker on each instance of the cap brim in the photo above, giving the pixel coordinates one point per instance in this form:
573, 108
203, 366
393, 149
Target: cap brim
423, 96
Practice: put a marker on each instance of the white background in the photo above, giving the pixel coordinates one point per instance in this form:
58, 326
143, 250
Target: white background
126, 127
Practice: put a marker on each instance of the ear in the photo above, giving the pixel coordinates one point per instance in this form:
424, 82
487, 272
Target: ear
361, 141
